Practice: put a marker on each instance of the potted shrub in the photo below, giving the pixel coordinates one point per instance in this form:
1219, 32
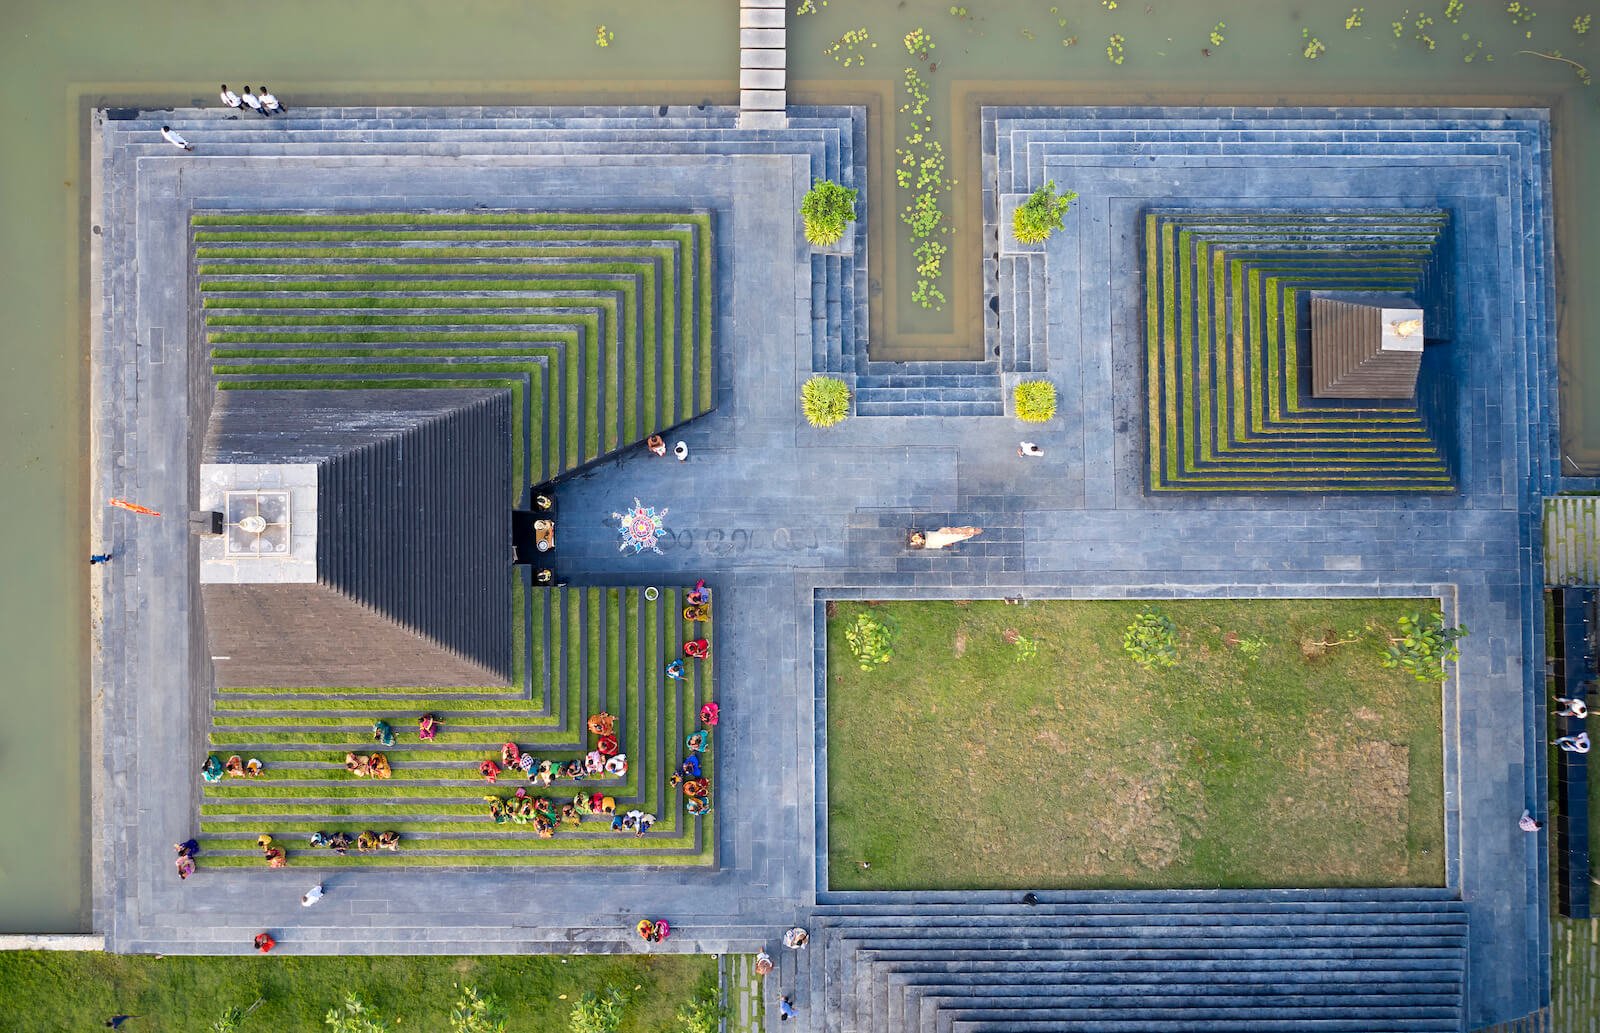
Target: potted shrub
827, 210
1035, 400
1041, 214
824, 400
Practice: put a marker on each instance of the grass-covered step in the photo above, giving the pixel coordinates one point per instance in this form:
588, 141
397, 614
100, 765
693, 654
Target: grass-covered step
1227, 351
589, 650
620, 304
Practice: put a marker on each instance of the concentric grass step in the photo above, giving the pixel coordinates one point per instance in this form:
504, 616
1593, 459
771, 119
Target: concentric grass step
1228, 403
591, 649
614, 309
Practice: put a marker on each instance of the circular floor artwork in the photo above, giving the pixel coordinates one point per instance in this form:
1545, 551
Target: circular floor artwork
641, 527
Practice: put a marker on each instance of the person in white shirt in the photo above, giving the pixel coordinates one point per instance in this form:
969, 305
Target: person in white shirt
269, 103
312, 895
174, 139
1574, 743
229, 97
252, 102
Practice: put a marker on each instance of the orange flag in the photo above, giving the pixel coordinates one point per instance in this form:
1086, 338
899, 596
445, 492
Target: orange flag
132, 507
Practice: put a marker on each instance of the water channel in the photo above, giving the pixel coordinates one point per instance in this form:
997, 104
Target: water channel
58, 60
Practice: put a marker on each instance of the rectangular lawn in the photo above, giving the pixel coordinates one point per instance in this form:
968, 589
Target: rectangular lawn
1263, 759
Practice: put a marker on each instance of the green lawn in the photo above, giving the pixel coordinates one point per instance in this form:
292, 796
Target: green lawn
958, 765
51, 992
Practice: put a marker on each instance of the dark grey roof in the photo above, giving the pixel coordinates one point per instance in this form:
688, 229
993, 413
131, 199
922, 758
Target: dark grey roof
414, 503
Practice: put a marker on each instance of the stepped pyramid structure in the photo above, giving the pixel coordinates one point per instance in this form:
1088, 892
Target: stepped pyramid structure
1237, 401
361, 545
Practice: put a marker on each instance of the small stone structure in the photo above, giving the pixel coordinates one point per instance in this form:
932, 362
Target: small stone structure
1369, 348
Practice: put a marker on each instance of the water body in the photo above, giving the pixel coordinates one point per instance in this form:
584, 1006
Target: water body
59, 60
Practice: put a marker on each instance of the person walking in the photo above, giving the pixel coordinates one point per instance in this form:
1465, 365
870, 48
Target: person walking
681, 450
763, 963
270, 105
311, 896
1528, 823
229, 97
99, 557
1573, 707
1029, 450
1574, 743
252, 102
786, 1008
264, 942
175, 139
796, 939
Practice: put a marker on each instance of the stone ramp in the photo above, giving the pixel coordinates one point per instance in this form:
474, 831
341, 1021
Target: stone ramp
1360, 960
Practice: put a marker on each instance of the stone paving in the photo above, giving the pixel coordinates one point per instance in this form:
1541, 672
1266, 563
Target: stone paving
786, 516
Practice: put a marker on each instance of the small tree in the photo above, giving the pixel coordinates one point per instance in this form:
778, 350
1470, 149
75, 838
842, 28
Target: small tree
353, 1018
598, 1012
474, 1014
1423, 646
1152, 641
824, 400
871, 642
826, 210
1041, 214
703, 1013
1035, 401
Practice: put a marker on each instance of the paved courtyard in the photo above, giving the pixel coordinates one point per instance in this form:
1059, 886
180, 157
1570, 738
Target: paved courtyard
781, 516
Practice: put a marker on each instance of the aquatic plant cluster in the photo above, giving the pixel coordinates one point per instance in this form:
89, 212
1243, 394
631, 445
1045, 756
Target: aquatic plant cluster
921, 171
844, 49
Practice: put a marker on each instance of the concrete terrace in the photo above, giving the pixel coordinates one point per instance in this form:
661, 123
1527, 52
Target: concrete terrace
783, 516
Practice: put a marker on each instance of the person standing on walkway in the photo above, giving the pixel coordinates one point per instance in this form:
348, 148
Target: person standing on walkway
270, 105
252, 102
796, 939
1030, 450
174, 139
1528, 823
264, 942
786, 1008
229, 97
312, 895
681, 450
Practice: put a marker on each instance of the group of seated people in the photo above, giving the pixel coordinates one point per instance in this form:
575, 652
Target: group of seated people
365, 842
543, 812
213, 770
367, 766
273, 855
599, 762
653, 932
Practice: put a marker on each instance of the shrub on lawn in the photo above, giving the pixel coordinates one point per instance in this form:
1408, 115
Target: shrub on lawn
826, 210
1041, 214
703, 1014
825, 401
354, 1018
1035, 400
1424, 646
870, 641
475, 1014
1152, 641
598, 1013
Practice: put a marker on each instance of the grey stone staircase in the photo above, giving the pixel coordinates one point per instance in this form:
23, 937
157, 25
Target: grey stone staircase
1356, 960
831, 138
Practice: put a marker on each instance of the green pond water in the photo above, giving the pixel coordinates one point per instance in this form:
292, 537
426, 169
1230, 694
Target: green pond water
58, 59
